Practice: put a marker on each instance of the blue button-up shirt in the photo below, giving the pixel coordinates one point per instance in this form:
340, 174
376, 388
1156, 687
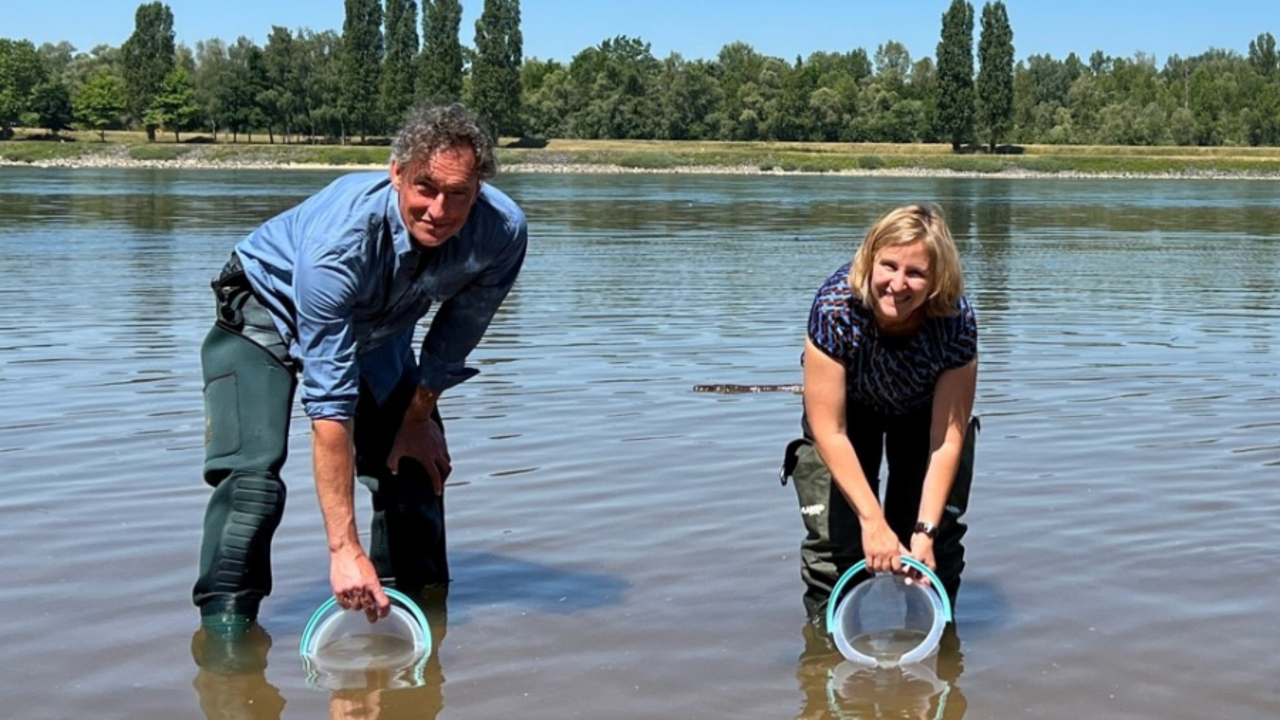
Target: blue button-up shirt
346, 286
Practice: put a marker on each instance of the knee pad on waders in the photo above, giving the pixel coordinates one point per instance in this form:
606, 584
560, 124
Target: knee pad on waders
235, 557
407, 533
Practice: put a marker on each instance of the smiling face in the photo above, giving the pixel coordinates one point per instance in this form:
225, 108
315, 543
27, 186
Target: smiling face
436, 194
900, 286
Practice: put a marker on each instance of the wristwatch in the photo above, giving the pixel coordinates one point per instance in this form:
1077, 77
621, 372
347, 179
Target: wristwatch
929, 530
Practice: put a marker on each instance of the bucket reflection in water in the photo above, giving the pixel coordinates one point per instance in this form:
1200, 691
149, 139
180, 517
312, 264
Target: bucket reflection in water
909, 692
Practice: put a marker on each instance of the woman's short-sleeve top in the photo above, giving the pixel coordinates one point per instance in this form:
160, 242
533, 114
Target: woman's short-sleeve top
888, 374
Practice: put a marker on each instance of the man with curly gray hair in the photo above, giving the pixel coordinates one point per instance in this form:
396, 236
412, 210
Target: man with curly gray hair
323, 299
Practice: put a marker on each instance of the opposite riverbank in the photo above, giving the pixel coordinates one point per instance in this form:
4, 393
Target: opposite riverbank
129, 150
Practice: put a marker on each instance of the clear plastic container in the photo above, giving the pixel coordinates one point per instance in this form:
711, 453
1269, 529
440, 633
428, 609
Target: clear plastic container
888, 619
341, 643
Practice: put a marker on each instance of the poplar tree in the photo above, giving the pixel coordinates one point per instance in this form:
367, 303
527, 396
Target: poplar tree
955, 74
361, 66
995, 74
398, 69
440, 66
495, 74
146, 59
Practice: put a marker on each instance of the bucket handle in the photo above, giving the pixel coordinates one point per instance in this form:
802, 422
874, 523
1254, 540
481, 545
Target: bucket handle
909, 562
393, 594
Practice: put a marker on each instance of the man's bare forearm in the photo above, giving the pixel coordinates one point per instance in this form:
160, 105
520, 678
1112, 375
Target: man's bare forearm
334, 456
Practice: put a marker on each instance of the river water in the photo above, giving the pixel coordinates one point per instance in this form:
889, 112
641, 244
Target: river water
620, 543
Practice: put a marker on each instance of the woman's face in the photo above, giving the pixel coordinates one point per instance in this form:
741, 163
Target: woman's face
900, 283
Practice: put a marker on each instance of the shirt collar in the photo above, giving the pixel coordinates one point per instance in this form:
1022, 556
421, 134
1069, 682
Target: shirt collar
399, 232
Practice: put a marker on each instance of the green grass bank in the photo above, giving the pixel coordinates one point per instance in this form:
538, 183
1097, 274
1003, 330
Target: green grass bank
123, 149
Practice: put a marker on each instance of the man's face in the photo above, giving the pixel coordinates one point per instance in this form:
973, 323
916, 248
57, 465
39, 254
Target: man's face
436, 194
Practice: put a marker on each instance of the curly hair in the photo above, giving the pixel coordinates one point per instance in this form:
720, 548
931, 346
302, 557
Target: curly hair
922, 222
428, 129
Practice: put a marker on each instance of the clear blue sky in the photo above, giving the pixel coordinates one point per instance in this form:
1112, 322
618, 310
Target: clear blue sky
559, 29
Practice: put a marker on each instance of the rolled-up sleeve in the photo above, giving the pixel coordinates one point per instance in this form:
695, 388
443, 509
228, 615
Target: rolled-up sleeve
325, 288
462, 320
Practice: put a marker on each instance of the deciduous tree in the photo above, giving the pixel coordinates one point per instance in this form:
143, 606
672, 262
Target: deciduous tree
21, 70
240, 95
51, 105
100, 102
175, 108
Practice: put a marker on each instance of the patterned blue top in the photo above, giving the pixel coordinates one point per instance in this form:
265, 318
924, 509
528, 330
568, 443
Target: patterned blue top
890, 375
346, 286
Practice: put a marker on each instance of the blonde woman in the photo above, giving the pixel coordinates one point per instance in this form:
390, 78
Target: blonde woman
890, 371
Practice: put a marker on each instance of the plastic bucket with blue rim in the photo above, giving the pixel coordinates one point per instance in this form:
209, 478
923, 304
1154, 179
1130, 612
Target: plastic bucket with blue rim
341, 645
888, 619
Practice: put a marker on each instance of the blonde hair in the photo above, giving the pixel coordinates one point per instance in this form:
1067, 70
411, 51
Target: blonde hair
921, 222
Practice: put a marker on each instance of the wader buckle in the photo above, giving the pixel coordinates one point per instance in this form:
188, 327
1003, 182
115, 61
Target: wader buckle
790, 459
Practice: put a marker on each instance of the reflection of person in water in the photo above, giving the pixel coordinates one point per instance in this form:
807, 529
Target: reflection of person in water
835, 688
232, 683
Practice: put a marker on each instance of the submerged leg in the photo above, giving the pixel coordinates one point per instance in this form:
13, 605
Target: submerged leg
407, 531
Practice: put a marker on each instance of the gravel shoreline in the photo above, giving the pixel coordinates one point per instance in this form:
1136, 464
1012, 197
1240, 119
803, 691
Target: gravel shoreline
194, 162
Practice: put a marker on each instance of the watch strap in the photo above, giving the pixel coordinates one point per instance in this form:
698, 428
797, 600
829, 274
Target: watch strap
927, 529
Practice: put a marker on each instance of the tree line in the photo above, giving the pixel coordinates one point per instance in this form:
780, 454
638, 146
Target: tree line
304, 86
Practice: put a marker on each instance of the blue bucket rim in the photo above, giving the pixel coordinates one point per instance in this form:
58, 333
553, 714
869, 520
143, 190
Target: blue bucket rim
862, 566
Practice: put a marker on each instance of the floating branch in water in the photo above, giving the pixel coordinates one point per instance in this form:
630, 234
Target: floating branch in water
743, 389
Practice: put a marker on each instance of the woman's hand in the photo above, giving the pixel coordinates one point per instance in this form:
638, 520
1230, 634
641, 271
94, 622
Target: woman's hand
880, 547
922, 550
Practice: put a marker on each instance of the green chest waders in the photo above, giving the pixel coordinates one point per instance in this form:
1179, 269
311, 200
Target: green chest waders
833, 535
248, 396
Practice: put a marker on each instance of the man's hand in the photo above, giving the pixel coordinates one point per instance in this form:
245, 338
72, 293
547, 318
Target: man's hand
423, 441
355, 584
354, 580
